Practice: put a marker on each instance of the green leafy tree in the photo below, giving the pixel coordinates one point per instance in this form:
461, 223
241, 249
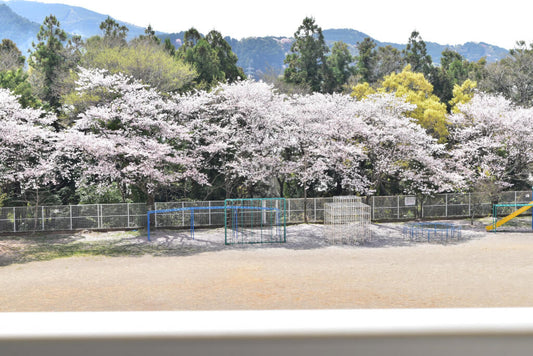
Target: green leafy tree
146, 61
454, 70
11, 57
367, 60
307, 62
212, 57
49, 61
340, 65
512, 76
454, 63
169, 47
17, 82
227, 60
149, 36
113, 33
478, 70
204, 59
3, 198
415, 54
191, 38
388, 60
144, 58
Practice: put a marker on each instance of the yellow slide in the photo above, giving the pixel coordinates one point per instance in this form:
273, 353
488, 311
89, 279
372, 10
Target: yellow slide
510, 217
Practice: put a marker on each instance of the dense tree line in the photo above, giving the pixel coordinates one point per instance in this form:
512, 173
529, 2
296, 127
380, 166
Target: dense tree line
106, 120
311, 66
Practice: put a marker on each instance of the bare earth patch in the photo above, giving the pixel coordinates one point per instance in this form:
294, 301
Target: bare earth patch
175, 272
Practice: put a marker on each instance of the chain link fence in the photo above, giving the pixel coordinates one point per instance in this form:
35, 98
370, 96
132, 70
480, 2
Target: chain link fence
133, 215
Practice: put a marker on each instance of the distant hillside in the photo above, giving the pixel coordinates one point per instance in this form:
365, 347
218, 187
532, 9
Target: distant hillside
17, 28
266, 54
73, 19
20, 21
470, 50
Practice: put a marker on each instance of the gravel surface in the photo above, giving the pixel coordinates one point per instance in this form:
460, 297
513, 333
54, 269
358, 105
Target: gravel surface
175, 272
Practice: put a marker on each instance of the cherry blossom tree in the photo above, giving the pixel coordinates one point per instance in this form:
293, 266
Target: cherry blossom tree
401, 155
252, 135
133, 138
321, 134
491, 140
237, 129
27, 141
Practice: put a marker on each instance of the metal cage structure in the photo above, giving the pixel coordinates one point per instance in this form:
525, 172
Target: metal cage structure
432, 231
255, 221
347, 221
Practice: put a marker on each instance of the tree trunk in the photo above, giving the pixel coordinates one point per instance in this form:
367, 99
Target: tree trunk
281, 183
305, 188
305, 204
36, 211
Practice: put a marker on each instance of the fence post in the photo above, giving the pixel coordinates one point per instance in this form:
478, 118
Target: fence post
398, 207
182, 214
314, 200
70, 215
469, 204
14, 220
209, 213
128, 209
42, 218
446, 213
99, 215
155, 215
289, 210
373, 208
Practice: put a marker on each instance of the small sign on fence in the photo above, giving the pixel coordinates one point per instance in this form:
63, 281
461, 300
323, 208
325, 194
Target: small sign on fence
410, 201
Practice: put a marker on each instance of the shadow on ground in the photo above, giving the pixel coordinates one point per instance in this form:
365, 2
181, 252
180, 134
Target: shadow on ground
28, 248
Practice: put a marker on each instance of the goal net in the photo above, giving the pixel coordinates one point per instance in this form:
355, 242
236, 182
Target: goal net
255, 221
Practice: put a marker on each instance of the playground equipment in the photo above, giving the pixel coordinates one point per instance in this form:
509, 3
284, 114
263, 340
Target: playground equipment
346, 220
255, 221
432, 230
497, 223
246, 221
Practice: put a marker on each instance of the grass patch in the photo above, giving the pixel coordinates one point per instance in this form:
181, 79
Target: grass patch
46, 247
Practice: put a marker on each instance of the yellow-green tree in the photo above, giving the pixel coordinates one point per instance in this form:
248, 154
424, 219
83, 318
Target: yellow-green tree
362, 91
462, 94
430, 112
143, 60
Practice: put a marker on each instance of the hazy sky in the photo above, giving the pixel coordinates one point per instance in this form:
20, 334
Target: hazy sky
447, 21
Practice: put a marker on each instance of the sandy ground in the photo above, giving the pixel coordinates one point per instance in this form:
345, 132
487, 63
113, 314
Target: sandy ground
389, 271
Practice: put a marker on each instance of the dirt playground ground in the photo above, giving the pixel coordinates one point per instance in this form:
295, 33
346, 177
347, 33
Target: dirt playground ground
389, 271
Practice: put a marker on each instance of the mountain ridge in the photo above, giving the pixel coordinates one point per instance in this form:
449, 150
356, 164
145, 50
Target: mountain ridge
20, 21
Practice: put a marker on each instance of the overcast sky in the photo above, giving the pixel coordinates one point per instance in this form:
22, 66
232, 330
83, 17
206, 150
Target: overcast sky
500, 23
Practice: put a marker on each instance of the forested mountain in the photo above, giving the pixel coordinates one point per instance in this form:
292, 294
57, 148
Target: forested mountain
20, 20
74, 20
17, 28
264, 54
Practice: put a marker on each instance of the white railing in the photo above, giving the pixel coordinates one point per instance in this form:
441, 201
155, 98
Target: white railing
409, 332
